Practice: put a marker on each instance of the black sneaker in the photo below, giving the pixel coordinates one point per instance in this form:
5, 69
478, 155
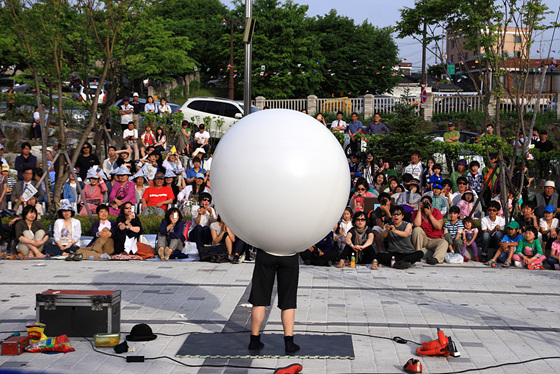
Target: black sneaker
307, 262
235, 259
432, 261
402, 265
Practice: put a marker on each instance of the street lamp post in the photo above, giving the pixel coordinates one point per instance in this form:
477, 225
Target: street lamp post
232, 22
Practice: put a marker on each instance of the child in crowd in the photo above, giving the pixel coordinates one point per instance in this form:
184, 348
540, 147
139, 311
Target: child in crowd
452, 230
492, 225
343, 227
428, 172
438, 200
547, 226
508, 246
527, 216
474, 177
554, 258
469, 236
436, 177
466, 204
529, 251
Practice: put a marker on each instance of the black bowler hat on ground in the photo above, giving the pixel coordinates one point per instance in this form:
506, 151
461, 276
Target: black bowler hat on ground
140, 333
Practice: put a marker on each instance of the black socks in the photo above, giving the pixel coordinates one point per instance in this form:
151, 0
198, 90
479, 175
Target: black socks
291, 347
255, 343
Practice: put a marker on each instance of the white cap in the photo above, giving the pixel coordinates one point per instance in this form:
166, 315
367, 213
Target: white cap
135, 94
549, 184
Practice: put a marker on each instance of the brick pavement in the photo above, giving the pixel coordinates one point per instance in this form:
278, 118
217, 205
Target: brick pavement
494, 315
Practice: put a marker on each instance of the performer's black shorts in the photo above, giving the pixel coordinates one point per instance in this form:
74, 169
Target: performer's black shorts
266, 267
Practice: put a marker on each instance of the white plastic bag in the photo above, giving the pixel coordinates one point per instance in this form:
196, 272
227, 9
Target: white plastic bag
130, 246
453, 258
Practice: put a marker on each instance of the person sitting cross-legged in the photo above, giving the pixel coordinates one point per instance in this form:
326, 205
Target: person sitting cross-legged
359, 241
398, 242
156, 198
102, 246
321, 254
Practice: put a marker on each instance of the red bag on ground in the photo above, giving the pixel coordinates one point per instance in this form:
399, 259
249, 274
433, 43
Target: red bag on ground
57, 344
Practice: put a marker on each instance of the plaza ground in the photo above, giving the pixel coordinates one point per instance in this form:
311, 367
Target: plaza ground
494, 315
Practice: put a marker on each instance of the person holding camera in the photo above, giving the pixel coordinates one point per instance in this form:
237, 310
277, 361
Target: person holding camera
427, 235
357, 200
397, 235
379, 217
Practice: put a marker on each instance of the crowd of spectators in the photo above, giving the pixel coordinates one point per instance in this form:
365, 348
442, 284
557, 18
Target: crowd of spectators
392, 218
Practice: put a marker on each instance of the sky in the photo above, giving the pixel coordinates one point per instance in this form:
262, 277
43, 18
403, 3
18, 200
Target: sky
384, 13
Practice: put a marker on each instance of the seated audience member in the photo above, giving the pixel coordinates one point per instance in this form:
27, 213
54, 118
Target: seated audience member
439, 201
427, 174
508, 245
379, 217
466, 204
222, 235
415, 168
156, 198
189, 195
435, 177
469, 236
380, 183
323, 253
128, 226
23, 185
172, 162
353, 165
93, 191
171, 236
123, 191
453, 231
343, 226
398, 242
462, 187
67, 232
201, 139
25, 160
409, 199
460, 172
102, 245
196, 169
529, 251
359, 242
147, 139
202, 217
527, 216
30, 234
4, 186
160, 140
388, 168
170, 179
474, 177
427, 233
548, 226
130, 137
447, 192
554, 258
357, 199
546, 197
140, 185
393, 183
33, 202
491, 226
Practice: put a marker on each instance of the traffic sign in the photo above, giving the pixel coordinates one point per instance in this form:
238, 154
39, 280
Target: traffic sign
424, 96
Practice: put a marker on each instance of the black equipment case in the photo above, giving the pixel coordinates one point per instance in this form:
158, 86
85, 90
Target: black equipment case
79, 312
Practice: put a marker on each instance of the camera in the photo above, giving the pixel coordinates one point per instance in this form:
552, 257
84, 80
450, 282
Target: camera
426, 205
384, 201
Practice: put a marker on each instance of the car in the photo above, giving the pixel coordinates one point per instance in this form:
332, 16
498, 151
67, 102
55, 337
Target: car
86, 94
218, 109
7, 83
218, 82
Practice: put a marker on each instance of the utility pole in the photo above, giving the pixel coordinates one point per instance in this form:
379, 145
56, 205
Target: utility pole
248, 58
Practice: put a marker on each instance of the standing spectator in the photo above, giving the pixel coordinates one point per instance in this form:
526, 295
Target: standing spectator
156, 198
150, 106
183, 139
201, 139
86, 161
428, 234
451, 135
130, 137
354, 128
163, 109
126, 111
399, 244
489, 130
492, 226
321, 119
25, 160
415, 167
338, 124
138, 108
543, 162
36, 125
535, 137
377, 127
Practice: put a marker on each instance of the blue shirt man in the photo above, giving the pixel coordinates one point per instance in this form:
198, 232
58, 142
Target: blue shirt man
377, 127
353, 128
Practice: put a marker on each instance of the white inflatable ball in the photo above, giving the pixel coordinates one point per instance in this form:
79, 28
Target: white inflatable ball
280, 180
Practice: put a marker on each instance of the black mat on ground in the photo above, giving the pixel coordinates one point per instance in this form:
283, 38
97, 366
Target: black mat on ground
235, 346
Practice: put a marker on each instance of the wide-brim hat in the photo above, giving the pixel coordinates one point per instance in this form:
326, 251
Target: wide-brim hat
169, 173
198, 150
550, 184
122, 170
141, 332
92, 173
413, 181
